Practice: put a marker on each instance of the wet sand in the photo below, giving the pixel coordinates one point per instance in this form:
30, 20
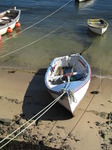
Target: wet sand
23, 94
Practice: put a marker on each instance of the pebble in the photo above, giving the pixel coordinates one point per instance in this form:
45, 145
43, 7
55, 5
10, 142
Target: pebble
5, 121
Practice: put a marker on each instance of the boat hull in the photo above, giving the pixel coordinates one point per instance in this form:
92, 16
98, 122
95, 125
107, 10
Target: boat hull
81, 0
69, 103
98, 30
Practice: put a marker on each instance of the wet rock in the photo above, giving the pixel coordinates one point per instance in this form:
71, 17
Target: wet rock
103, 115
41, 143
18, 122
21, 145
95, 92
110, 139
94, 112
13, 100
16, 118
12, 71
76, 140
60, 127
22, 115
102, 134
97, 123
109, 122
22, 121
5, 121
26, 136
51, 140
10, 129
104, 146
34, 138
50, 134
43, 137
109, 101
109, 116
64, 140
67, 147
1, 130
0, 97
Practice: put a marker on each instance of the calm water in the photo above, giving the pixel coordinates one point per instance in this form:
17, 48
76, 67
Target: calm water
51, 28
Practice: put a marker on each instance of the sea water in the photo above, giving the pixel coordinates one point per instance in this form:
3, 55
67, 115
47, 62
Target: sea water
52, 28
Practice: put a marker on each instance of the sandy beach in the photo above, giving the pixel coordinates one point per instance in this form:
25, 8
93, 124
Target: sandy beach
23, 94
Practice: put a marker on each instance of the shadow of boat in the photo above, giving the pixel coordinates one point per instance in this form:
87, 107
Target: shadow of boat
37, 98
22, 145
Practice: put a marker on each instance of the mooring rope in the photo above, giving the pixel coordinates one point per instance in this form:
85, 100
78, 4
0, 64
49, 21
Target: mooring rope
81, 116
27, 121
42, 19
30, 43
100, 100
43, 111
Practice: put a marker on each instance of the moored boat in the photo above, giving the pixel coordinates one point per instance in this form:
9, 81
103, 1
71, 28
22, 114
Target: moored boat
69, 74
98, 26
81, 0
84, 4
8, 19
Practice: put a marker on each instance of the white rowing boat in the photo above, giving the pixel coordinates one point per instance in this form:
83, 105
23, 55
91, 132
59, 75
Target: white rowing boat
98, 26
9, 18
71, 74
85, 4
81, 0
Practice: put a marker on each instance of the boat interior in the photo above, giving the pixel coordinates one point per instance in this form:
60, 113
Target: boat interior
70, 71
8, 16
97, 23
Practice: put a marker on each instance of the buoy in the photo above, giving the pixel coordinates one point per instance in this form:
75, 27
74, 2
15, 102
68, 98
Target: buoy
18, 24
9, 30
0, 38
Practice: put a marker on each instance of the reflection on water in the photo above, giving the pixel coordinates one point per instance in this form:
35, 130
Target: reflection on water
73, 37
15, 32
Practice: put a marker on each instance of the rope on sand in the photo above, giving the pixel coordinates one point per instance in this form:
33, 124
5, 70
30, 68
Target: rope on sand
42, 112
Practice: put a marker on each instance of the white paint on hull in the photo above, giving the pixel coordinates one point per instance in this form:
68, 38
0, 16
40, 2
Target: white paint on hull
4, 30
99, 31
81, 0
70, 104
